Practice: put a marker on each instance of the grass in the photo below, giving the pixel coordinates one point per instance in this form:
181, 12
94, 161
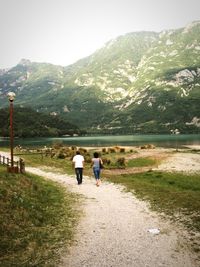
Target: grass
141, 162
174, 194
64, 165
37, 220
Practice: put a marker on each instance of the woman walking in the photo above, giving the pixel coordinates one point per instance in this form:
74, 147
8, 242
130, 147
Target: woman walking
97, 163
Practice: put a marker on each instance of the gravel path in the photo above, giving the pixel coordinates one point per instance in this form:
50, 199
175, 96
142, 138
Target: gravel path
114, 231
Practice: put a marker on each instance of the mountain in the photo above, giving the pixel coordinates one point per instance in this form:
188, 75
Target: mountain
141, 82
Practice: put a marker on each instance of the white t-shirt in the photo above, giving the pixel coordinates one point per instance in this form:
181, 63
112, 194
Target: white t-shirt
78, 160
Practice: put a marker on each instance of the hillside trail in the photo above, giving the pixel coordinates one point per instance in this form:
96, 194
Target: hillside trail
115, 230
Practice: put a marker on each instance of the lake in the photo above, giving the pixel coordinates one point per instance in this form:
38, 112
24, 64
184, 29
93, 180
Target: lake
108, 140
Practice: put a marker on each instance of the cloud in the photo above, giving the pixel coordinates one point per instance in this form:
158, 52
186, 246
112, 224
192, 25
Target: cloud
61, 32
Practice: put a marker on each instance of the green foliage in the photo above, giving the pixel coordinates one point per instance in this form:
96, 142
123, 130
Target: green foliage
29, 123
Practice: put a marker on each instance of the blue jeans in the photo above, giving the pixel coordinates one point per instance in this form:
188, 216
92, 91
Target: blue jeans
96, 173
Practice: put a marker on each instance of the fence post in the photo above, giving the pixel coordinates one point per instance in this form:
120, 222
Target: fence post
18, 166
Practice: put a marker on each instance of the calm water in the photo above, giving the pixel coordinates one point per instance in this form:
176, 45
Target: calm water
125, 140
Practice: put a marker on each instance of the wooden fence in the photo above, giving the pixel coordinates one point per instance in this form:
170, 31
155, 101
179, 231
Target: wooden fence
18, 166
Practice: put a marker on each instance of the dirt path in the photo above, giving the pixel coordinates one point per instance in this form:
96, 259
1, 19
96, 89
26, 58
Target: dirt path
114, 231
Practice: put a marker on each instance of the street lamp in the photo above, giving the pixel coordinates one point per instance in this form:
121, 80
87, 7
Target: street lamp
11, 97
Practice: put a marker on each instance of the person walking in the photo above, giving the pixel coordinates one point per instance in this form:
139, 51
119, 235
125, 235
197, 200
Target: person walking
78, 162
97, 164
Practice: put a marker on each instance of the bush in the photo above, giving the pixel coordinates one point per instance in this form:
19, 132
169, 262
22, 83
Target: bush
111, 150
106, 161
82, 150
73, 148
61, 155
104, 150
121, 162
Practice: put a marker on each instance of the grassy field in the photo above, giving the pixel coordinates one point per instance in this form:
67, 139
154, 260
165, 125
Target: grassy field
37, 220
176, 195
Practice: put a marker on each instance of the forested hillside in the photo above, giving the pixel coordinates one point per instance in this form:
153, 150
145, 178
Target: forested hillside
29, 123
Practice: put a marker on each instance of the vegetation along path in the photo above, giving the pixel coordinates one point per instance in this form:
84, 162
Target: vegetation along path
116, 229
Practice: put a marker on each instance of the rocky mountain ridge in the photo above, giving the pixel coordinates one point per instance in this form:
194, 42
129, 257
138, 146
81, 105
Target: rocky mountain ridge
143, 82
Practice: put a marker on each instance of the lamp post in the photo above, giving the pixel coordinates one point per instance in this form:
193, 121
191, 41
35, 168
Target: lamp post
11, 97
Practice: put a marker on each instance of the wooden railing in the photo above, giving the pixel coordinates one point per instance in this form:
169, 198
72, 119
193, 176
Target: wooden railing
18, 166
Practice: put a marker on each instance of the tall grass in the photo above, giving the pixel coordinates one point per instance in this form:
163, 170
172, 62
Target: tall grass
37, 220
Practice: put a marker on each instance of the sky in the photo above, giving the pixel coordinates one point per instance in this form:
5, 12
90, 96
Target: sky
63, 31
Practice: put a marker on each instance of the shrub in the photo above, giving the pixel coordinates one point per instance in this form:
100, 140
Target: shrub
106, 161
73, 148
61, 155
82, 150
111, 150
121, 162
104, 150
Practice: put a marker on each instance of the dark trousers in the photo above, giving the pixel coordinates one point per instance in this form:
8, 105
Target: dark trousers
79, 175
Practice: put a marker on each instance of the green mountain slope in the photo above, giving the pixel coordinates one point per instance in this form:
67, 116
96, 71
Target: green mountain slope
139, 82
168, 84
